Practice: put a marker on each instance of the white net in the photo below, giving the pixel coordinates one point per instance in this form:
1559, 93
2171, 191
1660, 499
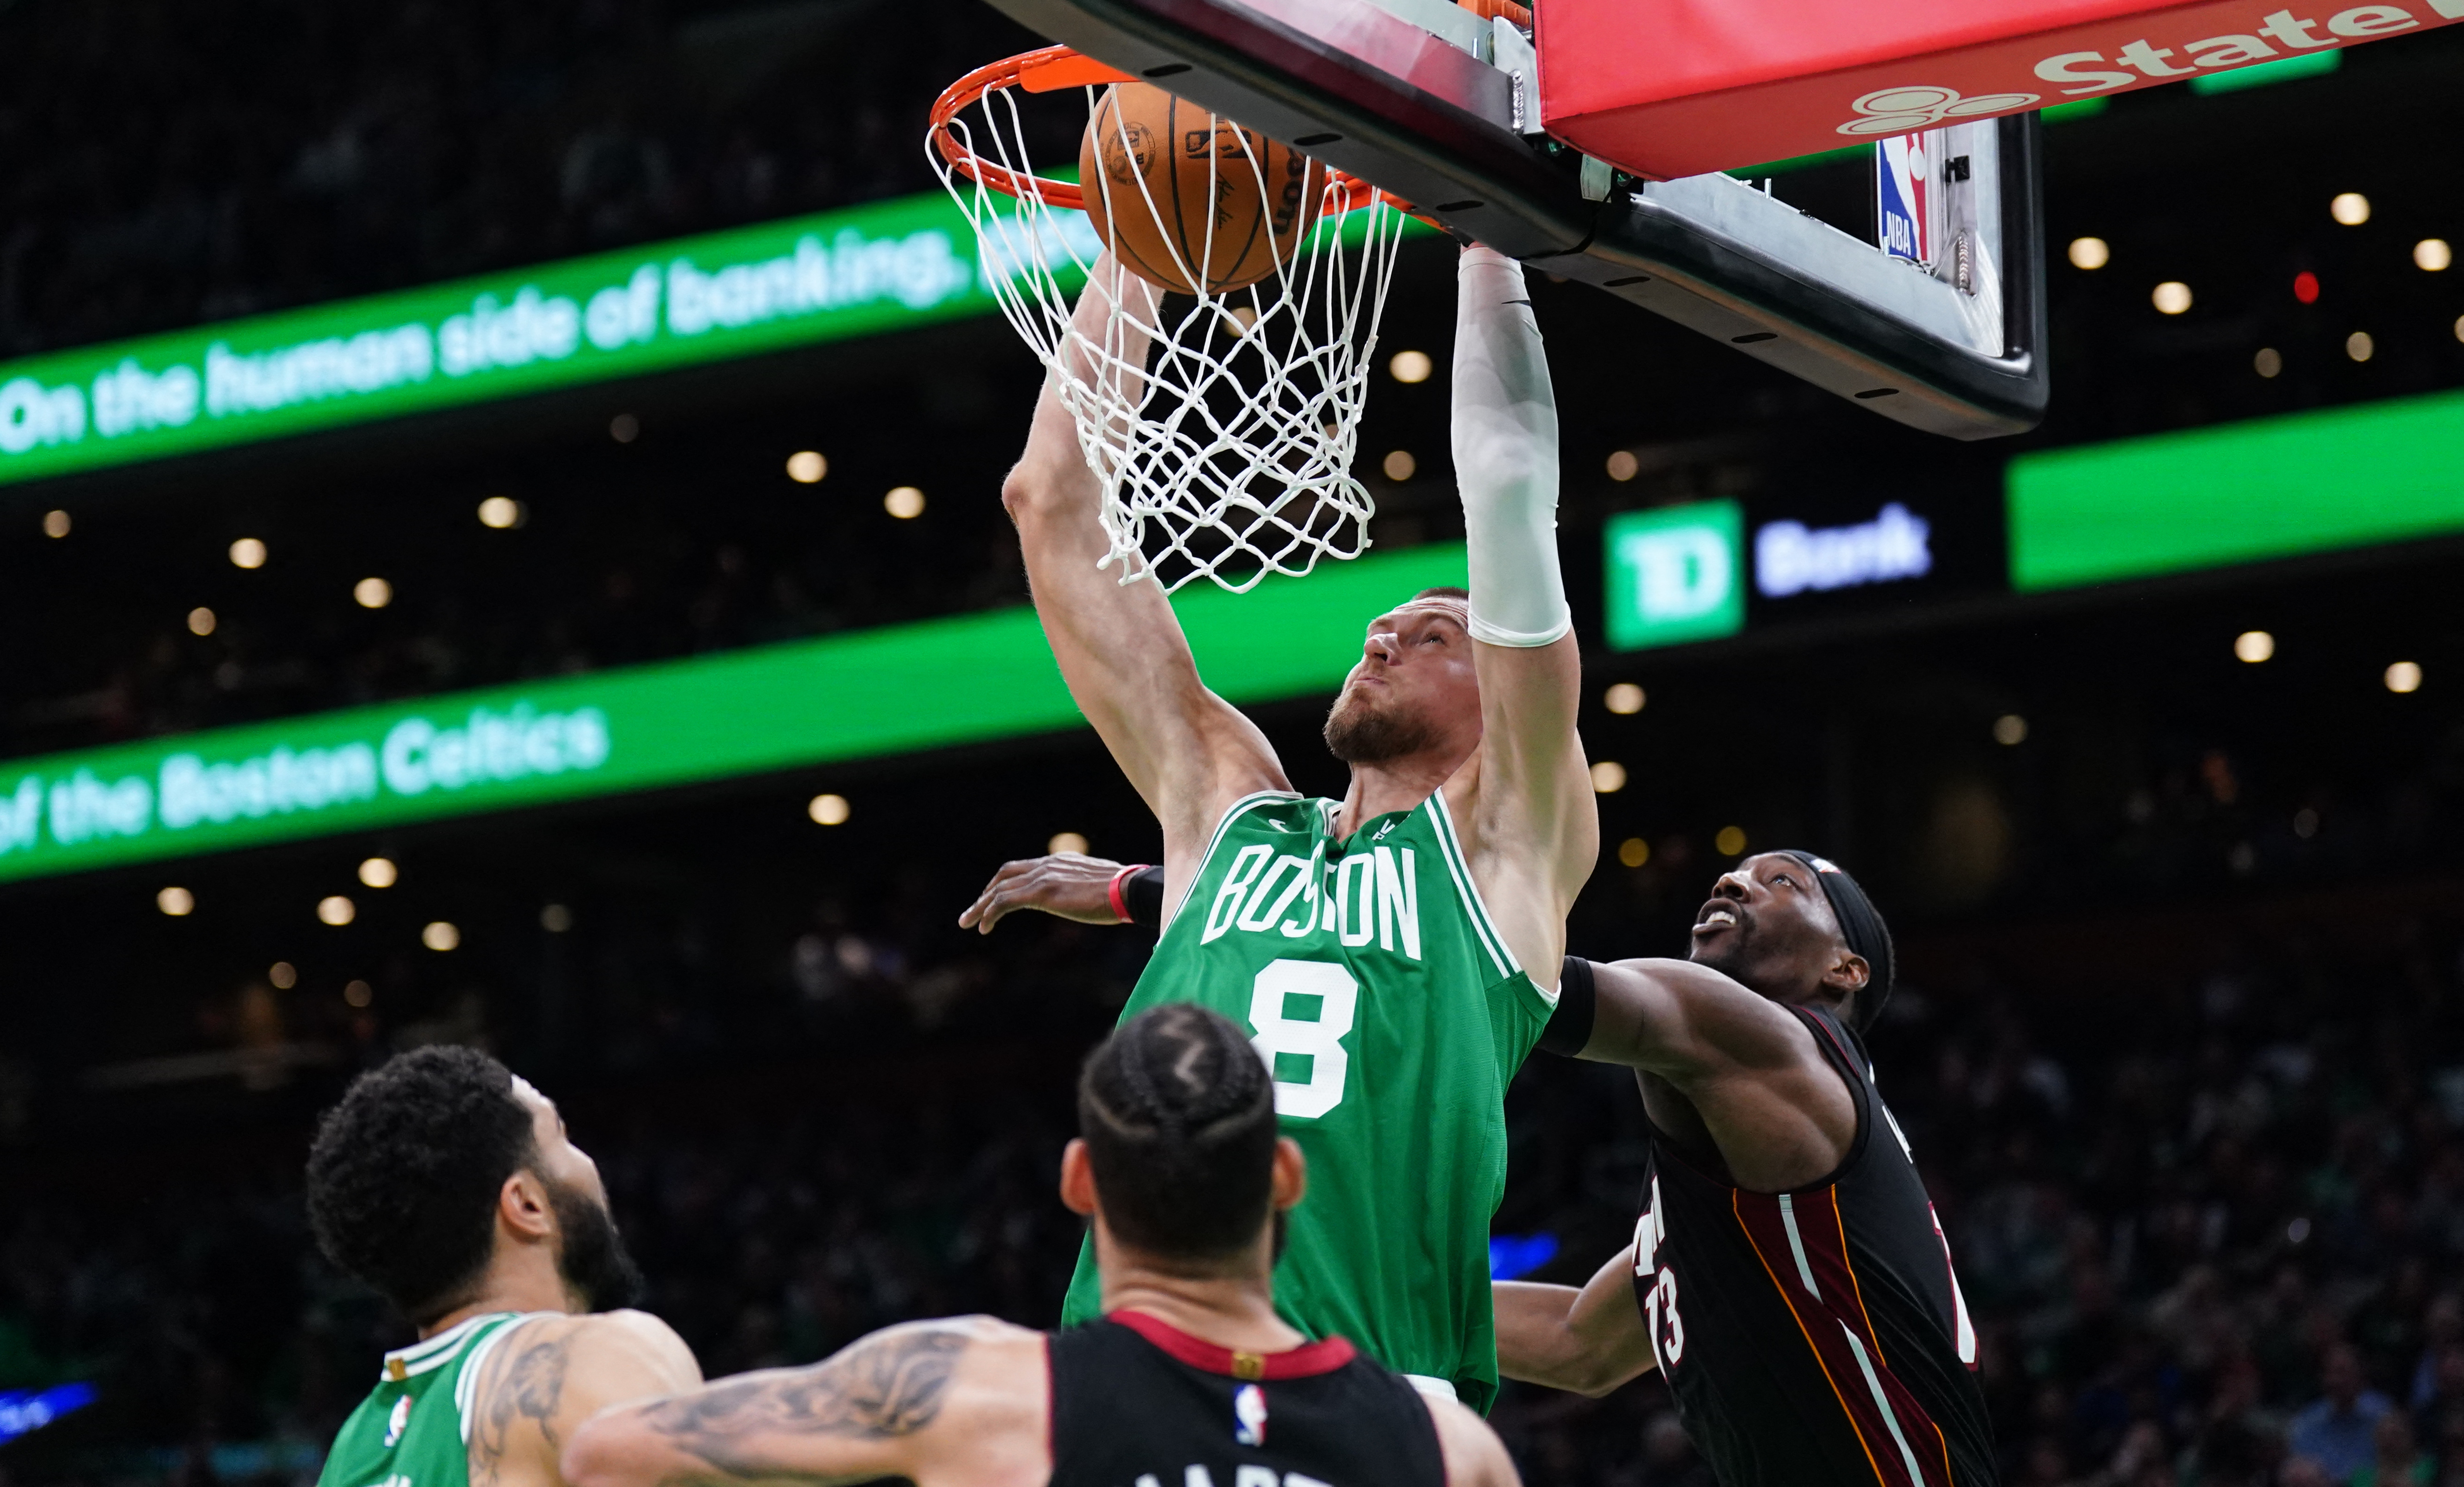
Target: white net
1220, 427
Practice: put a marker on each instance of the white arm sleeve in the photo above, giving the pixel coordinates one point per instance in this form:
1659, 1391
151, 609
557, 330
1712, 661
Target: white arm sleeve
1505, 455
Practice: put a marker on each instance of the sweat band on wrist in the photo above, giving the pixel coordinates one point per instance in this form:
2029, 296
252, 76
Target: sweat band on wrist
1113, 891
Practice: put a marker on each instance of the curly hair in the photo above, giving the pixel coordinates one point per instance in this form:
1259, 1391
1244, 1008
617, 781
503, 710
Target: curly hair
1177, 1111
404, 1174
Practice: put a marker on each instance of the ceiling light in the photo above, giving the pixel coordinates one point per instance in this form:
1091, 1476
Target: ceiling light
372, 594
1067, 841
2433, 255
2011, 729
178, 903
336, 910
2269, 362
55, 523
2404, 676
1410, 366
2172, 297
828, 810
2090, 253
806, 467
624, 428
1608, 777
1399, 465
1633, 852
2360, 346
359, 993
555, 918
201, 621
1623, 465
248, 553
502, 512
1731, 841
2350, 207
440, 935
2253, 646
283, 974
905, 502
1624, 699
378, 873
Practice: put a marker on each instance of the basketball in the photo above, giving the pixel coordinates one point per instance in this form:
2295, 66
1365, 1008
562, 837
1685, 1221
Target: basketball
1191, 194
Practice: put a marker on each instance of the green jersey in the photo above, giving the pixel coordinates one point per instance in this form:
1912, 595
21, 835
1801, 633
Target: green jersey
1394, 1015
414, 1429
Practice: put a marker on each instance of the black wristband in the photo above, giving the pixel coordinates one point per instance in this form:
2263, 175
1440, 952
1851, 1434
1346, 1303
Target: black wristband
1143, 897
1569, 1026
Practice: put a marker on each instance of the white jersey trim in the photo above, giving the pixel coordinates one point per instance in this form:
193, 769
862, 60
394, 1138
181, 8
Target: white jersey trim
1483, 927
1231, 813
434, 1352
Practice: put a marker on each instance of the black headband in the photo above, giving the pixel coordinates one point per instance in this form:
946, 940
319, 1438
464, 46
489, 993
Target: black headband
1861, 927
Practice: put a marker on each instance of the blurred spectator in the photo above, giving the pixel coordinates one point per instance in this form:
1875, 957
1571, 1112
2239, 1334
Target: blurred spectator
2340, 1430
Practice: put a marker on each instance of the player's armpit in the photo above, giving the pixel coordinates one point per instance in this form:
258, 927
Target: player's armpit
537, 1386
1188, 752
1473, 1454
1588, 1342
878, 1408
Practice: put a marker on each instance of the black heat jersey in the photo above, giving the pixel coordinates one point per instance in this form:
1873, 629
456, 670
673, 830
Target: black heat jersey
1814, 1338
1137, 1403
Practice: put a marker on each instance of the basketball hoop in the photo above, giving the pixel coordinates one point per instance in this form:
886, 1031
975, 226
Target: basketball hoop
1225, 447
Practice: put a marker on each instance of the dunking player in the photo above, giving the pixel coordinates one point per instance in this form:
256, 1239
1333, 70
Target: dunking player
1788, 1274
448, 1185
1190, 1378
1376, 945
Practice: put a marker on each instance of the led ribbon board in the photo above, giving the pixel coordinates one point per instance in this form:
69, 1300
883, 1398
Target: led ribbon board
894, 690
2243, 493
860, 272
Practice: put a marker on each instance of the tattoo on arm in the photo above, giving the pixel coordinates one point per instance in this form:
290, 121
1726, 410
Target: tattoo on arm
525, 1381
878, 1390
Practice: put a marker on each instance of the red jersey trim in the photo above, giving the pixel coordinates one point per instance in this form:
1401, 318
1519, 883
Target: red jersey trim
1307, 1361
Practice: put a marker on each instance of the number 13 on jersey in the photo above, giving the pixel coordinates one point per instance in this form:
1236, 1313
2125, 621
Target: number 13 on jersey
1301, 1010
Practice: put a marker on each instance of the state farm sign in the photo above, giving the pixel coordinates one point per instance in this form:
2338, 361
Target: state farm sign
1670, 88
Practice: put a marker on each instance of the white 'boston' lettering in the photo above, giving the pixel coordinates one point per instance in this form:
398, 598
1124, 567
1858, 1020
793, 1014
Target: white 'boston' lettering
1398, 901
1356, 909
1261, 913
1245, 868
275, 783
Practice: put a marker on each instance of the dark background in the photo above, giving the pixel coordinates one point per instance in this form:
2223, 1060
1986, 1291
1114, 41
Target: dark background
2179, 1050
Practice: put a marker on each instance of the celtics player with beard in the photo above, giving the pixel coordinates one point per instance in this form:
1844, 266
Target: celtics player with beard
1381, 950
449, 1185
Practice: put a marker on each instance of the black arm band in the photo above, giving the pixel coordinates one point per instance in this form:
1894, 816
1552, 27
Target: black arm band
1569, 1026
1143, 897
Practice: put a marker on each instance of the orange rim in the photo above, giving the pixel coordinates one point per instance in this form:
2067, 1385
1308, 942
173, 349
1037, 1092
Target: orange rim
1051, 68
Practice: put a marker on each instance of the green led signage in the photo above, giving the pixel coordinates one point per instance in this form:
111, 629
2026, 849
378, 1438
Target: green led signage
860, 272
2242, 493
876, 692
1676, 573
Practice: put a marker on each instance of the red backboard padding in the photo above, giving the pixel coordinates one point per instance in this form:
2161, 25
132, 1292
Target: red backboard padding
1669, 88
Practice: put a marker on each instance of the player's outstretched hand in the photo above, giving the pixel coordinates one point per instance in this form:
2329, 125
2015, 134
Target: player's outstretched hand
1070, 884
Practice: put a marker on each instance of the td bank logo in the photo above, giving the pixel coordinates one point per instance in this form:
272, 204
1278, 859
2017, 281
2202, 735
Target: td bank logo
1676, 573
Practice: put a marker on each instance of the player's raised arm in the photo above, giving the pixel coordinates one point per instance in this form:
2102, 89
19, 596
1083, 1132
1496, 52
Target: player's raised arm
1535, 826
1188, 752
928, 1401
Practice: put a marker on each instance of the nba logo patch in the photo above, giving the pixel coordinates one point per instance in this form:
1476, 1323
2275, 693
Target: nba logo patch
1249, 1415
396, 1422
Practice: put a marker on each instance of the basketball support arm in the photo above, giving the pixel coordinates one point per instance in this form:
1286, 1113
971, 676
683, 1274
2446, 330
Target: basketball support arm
1504, 433
1371, 94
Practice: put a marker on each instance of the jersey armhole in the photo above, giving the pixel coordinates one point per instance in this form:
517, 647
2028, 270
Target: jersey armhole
1837, 1053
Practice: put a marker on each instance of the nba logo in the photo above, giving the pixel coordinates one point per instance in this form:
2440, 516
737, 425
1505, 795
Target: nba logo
1903, 191
1249, 1415
397, 1421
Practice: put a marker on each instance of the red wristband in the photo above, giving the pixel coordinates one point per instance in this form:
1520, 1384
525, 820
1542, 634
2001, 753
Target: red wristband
1113, 890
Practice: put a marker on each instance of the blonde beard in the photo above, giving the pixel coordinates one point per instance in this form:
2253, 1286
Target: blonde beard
1359, 732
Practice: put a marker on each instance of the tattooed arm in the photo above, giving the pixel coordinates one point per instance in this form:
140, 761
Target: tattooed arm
538, 1384
960, 1401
